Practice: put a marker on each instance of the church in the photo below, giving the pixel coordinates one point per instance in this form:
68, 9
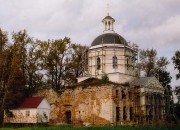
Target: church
125, 99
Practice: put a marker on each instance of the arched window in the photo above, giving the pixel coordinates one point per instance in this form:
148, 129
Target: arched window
98, 63
115, 62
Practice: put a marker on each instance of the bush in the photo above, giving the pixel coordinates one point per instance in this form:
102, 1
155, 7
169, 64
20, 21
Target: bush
105, 78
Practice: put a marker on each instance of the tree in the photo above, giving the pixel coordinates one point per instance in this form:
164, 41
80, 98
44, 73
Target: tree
74, 64
12, 79
176, 62
177, 93
54, 54
21, 40
12, 72
33, 68
151, 65
163, 76
3, 89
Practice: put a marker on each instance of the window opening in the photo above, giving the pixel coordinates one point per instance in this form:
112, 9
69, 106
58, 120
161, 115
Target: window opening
68, 117
124, 113
98, 63
131, 113
117, 114
123, 94
114, 62
27, 113
117, 93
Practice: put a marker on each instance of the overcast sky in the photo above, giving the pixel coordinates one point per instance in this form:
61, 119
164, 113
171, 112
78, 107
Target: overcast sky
148, 23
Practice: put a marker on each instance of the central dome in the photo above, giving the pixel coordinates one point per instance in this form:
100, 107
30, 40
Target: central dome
109, 38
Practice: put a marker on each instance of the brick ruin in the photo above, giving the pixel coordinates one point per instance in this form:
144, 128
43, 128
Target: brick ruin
104, 104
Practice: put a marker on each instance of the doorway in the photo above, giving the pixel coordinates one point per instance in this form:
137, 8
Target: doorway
68, 117
117, 114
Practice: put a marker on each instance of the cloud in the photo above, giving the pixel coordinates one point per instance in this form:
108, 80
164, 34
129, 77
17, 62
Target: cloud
148, 23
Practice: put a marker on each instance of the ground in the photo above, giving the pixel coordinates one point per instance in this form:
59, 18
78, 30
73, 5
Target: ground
95, 128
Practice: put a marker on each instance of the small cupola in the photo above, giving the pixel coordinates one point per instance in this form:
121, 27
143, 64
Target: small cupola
108, 22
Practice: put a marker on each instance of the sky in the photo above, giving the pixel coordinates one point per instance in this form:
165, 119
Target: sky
147, 23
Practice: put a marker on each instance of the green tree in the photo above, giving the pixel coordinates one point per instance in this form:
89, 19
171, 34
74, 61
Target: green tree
12, 70
177, 93
21, 41
33, 68
152, 65
74, 64
3, 88
54, 55
176, 62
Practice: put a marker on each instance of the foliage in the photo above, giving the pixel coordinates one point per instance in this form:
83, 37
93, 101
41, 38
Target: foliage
12, 75
27, 65
152, 65
105, 78
177, 92
61, 60
74, 64
177, 109
176, 62
163, 76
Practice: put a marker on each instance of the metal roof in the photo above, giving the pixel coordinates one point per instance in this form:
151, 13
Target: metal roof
31, 102
146, 82
109, 38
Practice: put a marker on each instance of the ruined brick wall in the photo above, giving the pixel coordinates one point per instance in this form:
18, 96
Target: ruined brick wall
123, 104
93, 104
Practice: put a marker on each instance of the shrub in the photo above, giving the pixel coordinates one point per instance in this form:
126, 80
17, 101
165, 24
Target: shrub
105, 78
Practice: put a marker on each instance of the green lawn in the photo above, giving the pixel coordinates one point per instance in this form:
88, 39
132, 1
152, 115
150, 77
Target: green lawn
93, 128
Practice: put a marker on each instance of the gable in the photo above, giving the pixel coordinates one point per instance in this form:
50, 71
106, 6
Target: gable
44, 104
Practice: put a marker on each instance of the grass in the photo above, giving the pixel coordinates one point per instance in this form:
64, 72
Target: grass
93, 128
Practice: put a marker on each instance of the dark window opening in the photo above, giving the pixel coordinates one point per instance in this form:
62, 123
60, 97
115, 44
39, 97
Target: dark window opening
124, 113
117, 93
131, 113
117, 113
147, 100
98, 63
27, 113
123, 95
130, 95
68, 117
115, 62
127, 62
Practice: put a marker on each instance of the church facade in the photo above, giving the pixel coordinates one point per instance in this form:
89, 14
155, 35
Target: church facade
111, 54
125, 99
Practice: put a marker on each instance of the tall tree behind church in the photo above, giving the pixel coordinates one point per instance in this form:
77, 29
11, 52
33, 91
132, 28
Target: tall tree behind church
54, 53
151, 65
75, 63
